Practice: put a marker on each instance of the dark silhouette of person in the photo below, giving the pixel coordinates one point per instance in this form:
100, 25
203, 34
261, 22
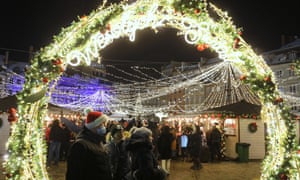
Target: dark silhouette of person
214, 143
195, 146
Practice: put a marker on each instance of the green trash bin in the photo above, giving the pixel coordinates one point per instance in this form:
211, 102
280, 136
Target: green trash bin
243, 151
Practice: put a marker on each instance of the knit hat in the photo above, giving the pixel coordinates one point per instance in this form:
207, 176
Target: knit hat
94, 119
140, 137
141, 132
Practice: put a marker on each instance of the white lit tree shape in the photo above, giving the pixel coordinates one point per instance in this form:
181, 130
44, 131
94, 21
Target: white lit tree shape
82, 41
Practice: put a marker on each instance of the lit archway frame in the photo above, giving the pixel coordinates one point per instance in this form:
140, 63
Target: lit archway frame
82, 41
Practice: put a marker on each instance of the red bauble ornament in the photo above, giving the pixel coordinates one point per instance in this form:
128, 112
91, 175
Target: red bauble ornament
243, 77
279, 99
45, 80
12, 115
84, 18
197, 11
108, 27
268, 78
283, 177
236, 43
57, 62
202, 47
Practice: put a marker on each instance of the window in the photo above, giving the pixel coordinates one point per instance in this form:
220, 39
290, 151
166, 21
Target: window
292, 89
292, 55
11, 80
282, 58
294, 108
230, 126
279, 74
291, 72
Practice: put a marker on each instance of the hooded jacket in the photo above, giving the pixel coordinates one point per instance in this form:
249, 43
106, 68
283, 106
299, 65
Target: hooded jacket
87, 158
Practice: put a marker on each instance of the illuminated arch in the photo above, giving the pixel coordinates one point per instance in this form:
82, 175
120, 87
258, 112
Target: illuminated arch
83, 40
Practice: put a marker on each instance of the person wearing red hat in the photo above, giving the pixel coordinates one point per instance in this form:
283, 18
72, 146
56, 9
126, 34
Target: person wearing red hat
87, 157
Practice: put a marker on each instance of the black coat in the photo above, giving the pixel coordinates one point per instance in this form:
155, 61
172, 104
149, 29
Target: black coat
87, 158
144, 163
164, 145
56, 133
195, 144
119, 159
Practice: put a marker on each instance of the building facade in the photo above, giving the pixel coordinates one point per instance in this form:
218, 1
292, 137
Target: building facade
281, 61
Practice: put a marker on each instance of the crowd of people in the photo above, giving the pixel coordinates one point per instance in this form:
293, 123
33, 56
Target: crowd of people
127, 149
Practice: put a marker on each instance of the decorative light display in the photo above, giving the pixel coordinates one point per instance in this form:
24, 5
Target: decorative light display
80, 92
83, 41
10, 82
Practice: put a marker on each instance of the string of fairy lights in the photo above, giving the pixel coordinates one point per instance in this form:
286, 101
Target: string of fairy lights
110, 99
78, 98
122, 92
80, 102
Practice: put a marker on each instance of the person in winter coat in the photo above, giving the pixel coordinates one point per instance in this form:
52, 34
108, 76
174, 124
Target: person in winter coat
144, 164
118, 155
65, 142
87, 158
195, 145
164, 143
214, 142
55, 139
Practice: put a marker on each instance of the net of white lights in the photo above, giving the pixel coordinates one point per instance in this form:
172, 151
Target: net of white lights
120, 97
82, 41
111, 99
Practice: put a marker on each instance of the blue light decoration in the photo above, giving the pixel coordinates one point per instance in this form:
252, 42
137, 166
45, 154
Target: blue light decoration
10, 82
71, 92
77, 93
15, 85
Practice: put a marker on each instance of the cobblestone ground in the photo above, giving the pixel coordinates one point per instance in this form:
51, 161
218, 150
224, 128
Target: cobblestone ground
224, 170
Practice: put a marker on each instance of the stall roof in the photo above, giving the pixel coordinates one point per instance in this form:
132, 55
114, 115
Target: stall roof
241, 107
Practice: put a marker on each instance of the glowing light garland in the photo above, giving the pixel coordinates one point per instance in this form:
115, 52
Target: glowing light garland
76, 45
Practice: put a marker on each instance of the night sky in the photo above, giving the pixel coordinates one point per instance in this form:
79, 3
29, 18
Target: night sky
35, 22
